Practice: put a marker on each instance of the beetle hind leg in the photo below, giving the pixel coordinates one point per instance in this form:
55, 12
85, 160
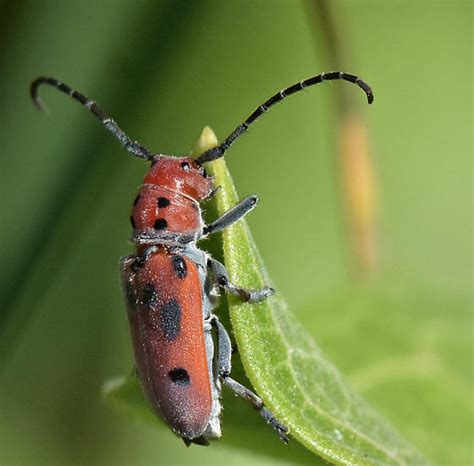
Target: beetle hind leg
245, 393
224, 353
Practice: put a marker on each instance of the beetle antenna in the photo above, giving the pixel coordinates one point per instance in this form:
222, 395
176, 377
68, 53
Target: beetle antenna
131, 146
217, 152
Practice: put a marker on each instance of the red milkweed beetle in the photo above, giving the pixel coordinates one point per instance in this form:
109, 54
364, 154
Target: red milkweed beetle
169, 282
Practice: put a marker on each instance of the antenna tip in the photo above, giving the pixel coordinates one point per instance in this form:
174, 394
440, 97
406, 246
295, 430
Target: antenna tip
34, 93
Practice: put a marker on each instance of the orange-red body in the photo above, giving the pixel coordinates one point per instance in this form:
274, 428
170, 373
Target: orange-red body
167, 205
168, 306
177, 213
166, 322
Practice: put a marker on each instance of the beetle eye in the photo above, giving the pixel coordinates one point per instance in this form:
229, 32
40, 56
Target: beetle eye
204, 173
185, 166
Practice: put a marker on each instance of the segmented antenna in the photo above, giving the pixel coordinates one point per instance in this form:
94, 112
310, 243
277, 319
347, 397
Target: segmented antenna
132, 146
219, 151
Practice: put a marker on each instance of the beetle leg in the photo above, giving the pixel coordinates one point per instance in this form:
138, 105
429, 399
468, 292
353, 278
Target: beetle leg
231, 216
224, 366
213, 193
222, 279
257, 403
224, 347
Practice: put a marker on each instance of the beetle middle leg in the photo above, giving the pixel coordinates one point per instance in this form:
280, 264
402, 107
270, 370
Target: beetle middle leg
224, 353
221, 278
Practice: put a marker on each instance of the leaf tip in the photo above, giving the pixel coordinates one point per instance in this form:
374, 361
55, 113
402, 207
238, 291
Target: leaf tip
206, 140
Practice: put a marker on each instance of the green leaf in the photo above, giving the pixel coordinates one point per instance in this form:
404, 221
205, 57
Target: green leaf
285, 365
412, 363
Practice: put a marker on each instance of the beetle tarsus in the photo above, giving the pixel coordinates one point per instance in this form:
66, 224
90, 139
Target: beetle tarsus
277, 426
253, 399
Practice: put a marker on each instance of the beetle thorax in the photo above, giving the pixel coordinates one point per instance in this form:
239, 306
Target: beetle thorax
167, 205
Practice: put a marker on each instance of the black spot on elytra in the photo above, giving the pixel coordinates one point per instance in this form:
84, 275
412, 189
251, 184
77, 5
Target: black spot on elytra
150, 296
170, 319
162, 202
160, 224
179, 376
135, 202
131, 295
132, 221
180, 267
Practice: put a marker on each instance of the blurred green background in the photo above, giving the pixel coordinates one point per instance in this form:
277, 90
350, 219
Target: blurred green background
163, 70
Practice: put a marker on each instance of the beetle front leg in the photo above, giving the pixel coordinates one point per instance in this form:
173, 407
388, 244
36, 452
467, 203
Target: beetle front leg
226, 220
224, 353
221, 278
232, 215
